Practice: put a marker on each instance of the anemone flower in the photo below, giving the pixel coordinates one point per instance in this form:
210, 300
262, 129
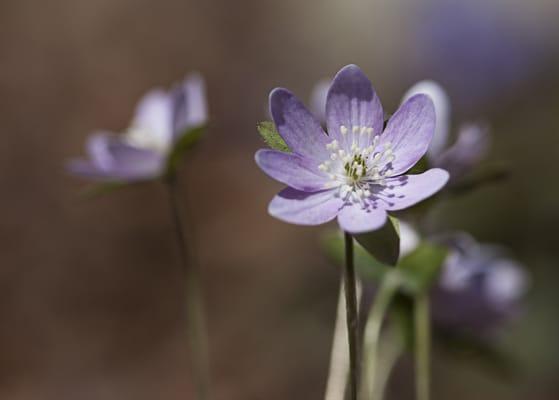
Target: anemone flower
357, 171
161, 120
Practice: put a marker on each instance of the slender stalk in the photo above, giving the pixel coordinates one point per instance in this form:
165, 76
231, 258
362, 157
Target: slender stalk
198, 339
339, 357
422, 346
387, 360
352, 317
382, 300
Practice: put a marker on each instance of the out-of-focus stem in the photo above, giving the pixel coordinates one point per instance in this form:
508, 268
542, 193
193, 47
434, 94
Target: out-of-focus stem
382, 300
422, 346
339, 357
198, 339
389, 354
352, 317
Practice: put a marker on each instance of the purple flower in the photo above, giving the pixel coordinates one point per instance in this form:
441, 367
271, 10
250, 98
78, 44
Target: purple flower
356, 171
472, 143
479, 289
161, 120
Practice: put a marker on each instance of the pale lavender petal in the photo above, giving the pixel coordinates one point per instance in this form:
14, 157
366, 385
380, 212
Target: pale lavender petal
190, 108
296, 125
506, 282
406, 190
154, 115
471, 146
353, 218
442, 111
410, 131
318, 100
304, 208
113, 159
351, 102
291, 169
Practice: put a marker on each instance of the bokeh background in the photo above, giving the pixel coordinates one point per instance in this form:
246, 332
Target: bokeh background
90, 290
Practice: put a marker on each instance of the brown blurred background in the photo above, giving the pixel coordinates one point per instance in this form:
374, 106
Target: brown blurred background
90, 290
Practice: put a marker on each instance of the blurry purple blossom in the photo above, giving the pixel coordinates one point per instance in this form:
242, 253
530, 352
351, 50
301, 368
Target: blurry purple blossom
355, 172
161, 119
480, 287
472, 142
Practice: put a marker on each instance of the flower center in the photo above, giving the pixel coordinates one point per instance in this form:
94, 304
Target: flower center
357, 163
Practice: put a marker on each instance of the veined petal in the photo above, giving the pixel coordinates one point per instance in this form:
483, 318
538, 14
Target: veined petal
353, 218
352, 102
409, 132
442, 111
406, 190
304, 208
300, 130
190, 108
154, 116
291, 169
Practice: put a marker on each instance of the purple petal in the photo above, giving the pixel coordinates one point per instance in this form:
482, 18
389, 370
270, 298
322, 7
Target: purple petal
351, 102
442, 110
469, 149
190, 107
113, 159
353, 218
154, 114
410, 131
291, 169
300, 130
303, 208
406, 190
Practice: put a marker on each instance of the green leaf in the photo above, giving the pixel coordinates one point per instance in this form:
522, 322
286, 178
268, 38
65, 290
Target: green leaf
185, 142
268, 131
384, 243
421, 267
366, 266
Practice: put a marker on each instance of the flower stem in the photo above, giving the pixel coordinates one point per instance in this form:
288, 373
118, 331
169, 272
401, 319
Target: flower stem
382, 300
198, 339
352, 317
339, 357
422, 346
387, 359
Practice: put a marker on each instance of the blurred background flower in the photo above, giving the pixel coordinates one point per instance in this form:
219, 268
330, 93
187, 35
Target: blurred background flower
90, 292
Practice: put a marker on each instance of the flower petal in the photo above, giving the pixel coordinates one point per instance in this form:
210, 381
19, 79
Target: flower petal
190, 107
470, 148
406, 190
291, 169
442, 110
410, 131
112, 158
300, 130
353, 218
154, 115
351, 102
303, 208
318, 100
